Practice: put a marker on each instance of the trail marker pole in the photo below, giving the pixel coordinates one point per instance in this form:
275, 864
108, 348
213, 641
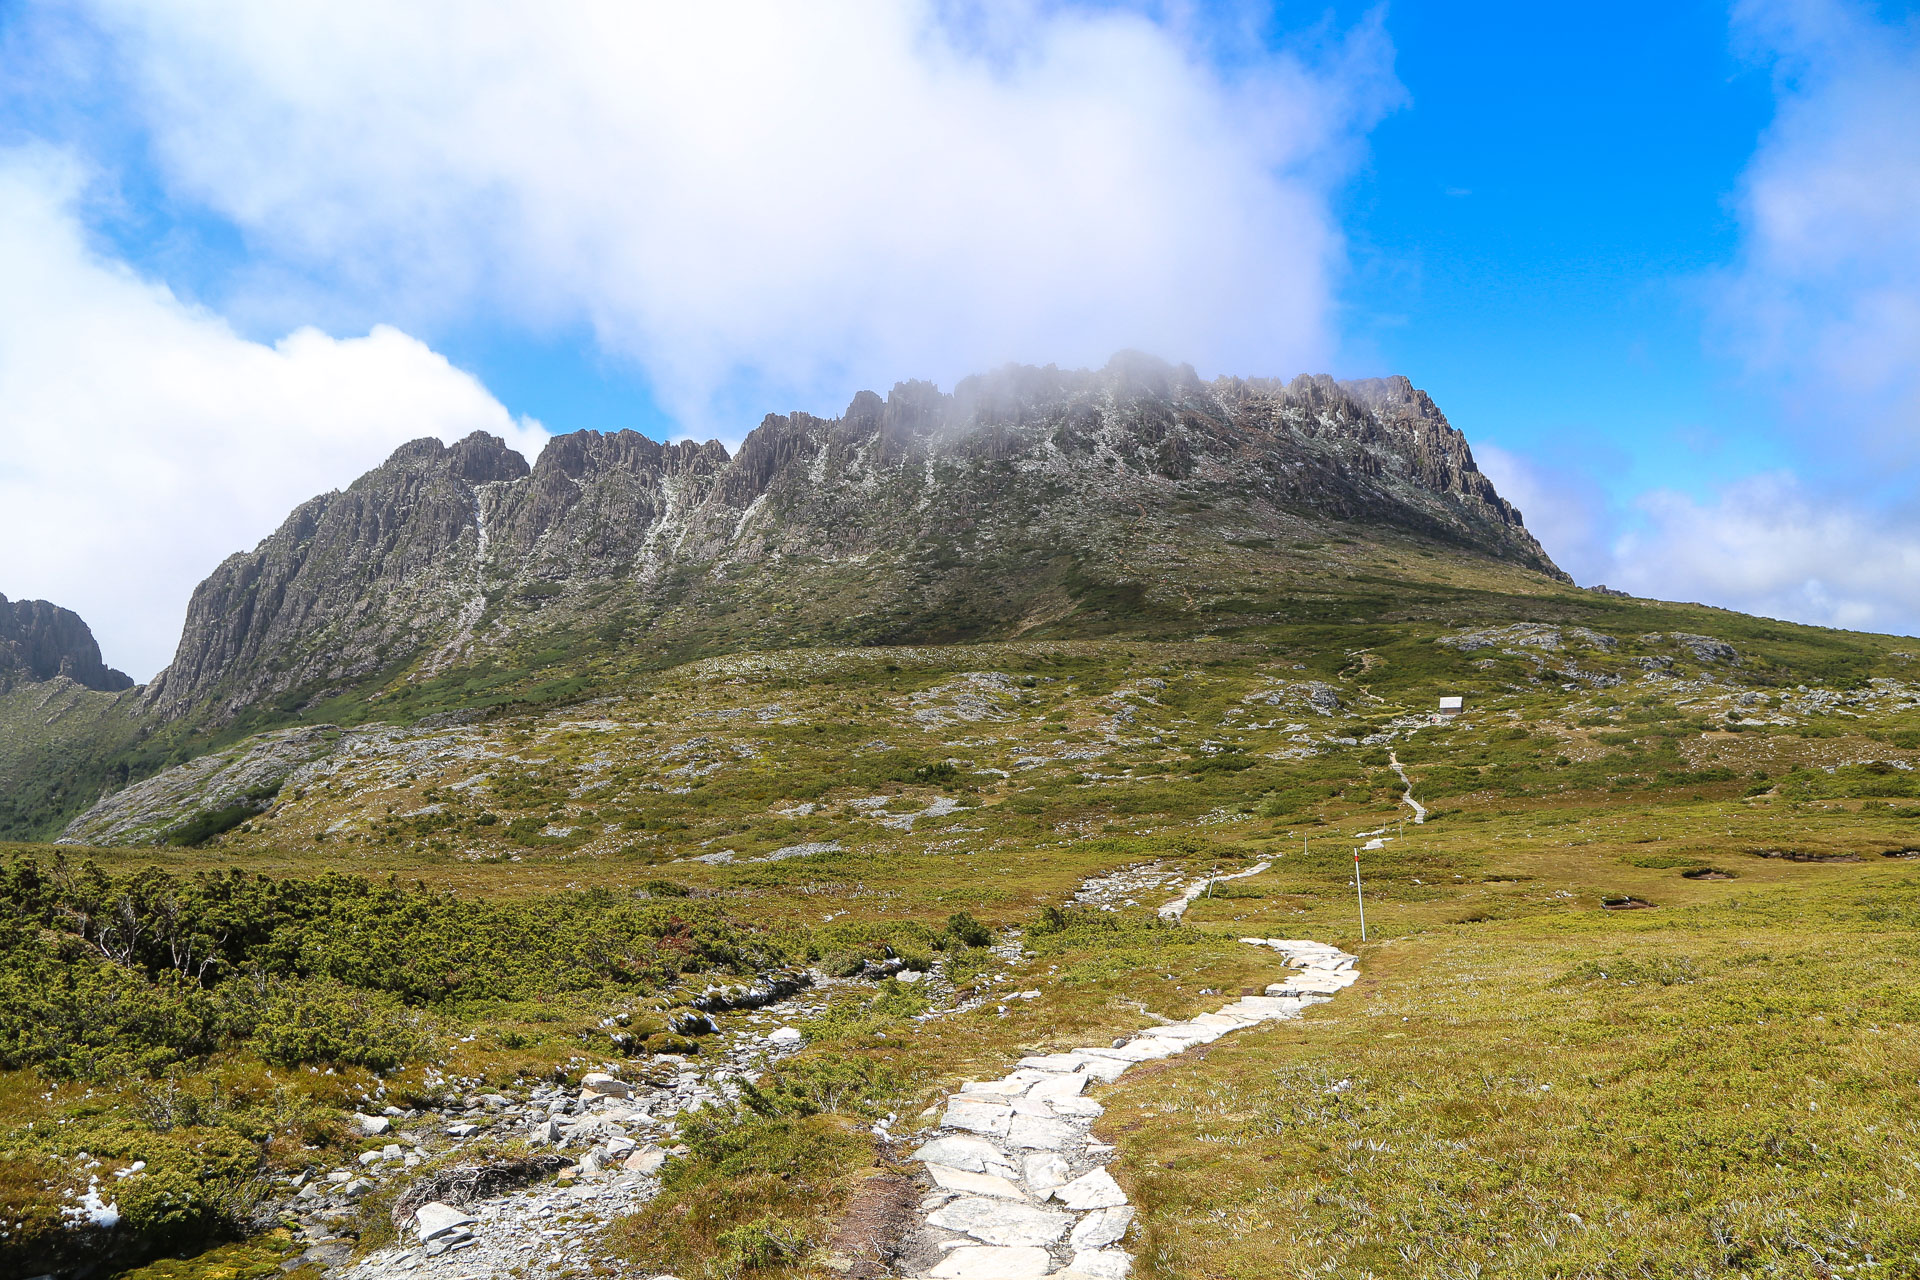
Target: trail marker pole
1362, 897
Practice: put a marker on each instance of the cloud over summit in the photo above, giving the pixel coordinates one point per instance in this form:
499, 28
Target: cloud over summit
759, 200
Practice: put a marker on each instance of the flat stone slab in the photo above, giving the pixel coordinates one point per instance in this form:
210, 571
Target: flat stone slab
959, 1152
1035, 1132
1103, 1264
1045, 1170
995, 1221
1101, 1228
1060, 1086
434, 1219
980, 1262
1262, 1008
976, 1184
990, 1118
1140, 1050
1054, 1062
1096, 1190
1104, 1069
1314, 982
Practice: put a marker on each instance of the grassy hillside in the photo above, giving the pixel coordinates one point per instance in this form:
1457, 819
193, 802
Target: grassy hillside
1529, 1082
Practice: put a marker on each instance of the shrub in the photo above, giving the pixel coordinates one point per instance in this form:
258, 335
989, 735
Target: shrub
967, 931
207, 824
328, 1022
755, 1192
193, 1191
815, 1083
103, 975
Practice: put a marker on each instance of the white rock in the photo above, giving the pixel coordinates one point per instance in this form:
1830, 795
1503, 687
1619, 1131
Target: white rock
1261, 1008
1041, 1133
648, 1161
462, 1130
1104, 1069
1186, 1033
909, 975
785, 1035
1000, 1222
434, 1219
978, 1262
606, 1086
1075, 1107
1065, 1086
1143, 1049
978, 1117
1104, 1264
978, 1184
1096, 1190
958, 1152
1314, 982
1101, 1228
620, 1148
1054, 1062
370, 1126
1045, 1170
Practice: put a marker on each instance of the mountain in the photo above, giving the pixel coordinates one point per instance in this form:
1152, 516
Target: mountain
41, 641
1031, 499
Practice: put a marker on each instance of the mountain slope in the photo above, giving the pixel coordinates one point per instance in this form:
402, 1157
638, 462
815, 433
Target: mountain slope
1030, 498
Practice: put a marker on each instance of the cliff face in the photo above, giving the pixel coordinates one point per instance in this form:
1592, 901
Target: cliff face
988, 510
41, 641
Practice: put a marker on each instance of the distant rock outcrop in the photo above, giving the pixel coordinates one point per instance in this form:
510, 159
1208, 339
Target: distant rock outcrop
1019, 498
41, 641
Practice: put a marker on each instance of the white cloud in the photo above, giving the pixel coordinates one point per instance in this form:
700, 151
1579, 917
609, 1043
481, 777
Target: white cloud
1825, 299
1564, 511
142, 441
764, 199
1823, 306
1766, 544
1769, 546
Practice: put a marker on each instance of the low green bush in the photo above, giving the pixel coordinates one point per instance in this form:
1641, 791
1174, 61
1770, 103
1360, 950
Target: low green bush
103, 975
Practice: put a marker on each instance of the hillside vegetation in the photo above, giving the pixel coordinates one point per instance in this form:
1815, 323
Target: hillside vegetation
1537, 1076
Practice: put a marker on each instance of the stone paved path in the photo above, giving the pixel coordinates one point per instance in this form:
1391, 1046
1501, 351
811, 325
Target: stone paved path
1419, 810
1021, 1187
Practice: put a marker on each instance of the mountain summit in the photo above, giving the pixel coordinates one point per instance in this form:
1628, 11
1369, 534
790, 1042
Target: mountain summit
41, 641
1027, 499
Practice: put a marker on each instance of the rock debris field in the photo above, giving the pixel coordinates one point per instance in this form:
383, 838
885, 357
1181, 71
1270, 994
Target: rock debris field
1016, 1185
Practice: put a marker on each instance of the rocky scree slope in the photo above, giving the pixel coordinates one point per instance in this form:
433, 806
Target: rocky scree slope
1028, 498
41, 641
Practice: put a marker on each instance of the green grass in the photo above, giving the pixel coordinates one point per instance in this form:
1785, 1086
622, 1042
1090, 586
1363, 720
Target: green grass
1441, 1157
1716, 1088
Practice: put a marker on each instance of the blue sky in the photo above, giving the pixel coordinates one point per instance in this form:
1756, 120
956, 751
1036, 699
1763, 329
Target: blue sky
1660, 262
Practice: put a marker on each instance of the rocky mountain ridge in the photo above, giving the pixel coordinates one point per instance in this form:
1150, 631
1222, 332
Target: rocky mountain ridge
1022, 498
40, 641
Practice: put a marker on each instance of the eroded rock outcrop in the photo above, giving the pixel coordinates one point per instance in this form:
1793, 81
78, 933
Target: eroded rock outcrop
41, 641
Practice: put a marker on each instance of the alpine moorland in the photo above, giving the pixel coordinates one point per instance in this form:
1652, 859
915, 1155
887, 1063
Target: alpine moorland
660, 860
